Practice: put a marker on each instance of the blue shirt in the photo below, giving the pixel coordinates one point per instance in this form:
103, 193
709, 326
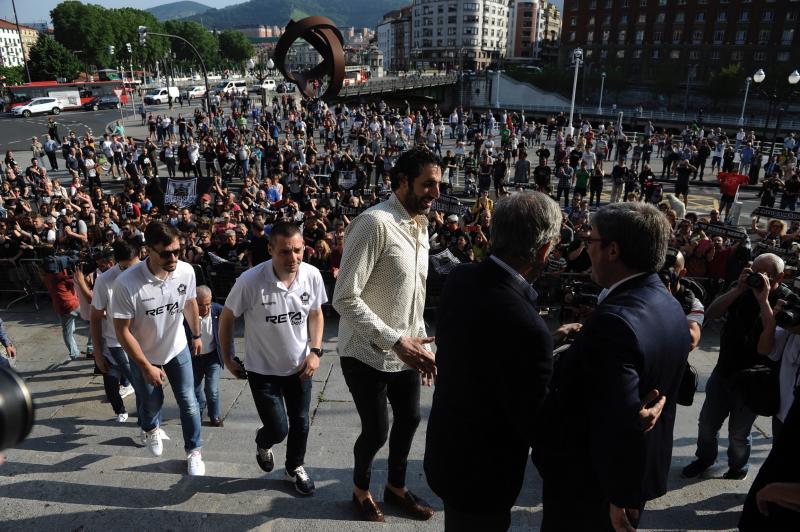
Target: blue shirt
4, 339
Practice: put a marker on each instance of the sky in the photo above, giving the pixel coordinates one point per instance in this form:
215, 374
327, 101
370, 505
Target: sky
39, 10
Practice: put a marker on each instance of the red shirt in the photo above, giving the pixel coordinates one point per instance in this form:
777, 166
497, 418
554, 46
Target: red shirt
61, 288
729, 182
717, 265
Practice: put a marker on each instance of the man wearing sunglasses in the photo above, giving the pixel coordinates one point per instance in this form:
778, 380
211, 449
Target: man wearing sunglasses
149, 304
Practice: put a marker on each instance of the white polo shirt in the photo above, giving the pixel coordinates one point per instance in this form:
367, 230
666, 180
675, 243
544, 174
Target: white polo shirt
275, 317
101, 300
156, 308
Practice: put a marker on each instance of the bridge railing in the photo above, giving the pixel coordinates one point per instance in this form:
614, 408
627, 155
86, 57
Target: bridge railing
375, 86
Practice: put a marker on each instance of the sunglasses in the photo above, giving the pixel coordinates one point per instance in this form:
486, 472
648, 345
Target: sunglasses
168, 254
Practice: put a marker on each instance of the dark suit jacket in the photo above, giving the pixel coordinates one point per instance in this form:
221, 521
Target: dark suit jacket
634, 341
216, 310
494, 358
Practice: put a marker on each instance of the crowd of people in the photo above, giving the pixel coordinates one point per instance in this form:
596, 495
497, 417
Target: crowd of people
283, 187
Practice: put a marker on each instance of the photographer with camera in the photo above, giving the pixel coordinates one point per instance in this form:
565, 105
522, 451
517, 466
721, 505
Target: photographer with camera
61, 287
772, 502
685, 291
738, 351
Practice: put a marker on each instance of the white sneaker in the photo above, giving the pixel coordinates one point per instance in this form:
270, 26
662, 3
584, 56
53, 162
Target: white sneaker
195, 464
143, 435
122, 418
153, 442
125, 391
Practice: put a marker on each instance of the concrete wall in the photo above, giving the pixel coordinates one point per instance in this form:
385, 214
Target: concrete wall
514, 93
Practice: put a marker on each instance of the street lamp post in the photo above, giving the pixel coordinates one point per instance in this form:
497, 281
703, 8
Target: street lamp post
759, 78
577, 58
143, 32
744, 103
602, 85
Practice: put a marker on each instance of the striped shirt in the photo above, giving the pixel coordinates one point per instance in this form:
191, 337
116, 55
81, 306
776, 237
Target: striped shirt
380, 290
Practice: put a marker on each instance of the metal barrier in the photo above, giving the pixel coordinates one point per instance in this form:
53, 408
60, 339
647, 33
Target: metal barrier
13, 281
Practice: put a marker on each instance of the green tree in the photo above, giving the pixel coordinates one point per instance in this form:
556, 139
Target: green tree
50, 60
725, 84
205, 42
12, 75
235, 47
666, 82
84, 27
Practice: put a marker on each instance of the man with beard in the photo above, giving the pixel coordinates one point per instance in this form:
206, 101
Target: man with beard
149, 303
380, 296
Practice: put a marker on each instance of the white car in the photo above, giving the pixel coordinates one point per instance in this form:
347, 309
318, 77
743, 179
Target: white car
196, 92
268, 85
38, 105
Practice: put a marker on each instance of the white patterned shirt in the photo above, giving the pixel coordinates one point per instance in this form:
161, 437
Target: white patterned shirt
380, 290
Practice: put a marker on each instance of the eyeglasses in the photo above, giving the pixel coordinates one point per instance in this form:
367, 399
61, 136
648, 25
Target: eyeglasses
588, 240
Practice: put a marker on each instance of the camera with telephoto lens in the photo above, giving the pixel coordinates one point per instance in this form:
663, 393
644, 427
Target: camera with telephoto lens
789, 315
754, 280
16, 409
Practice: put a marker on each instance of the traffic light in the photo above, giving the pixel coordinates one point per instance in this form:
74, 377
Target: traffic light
110, 49
142, 35
128, 46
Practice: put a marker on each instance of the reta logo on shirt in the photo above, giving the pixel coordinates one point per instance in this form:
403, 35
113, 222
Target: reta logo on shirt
295, 318
169, 308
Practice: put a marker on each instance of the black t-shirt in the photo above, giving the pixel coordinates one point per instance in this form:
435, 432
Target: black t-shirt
187, 227
231, 253
541, 175
683, 174
258, 249
582, 262
738, 340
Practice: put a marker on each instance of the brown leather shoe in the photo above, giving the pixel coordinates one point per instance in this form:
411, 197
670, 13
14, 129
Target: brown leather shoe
411, 505
369, 510
216, 422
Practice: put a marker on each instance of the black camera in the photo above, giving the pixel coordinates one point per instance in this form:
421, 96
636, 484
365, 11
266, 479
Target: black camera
59, 263
579, 294
16, 409
754, 280
789, 315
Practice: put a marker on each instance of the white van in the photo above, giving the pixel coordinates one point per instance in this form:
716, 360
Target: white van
231, 85
161, 95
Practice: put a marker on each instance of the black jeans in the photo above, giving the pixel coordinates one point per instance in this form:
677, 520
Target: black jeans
269, 394
458, 521
370, 389
111, 385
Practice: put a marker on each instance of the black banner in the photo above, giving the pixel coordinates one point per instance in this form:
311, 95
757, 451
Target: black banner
781, 252
722, 230
347, 210
181, 191
778, 214
449, 205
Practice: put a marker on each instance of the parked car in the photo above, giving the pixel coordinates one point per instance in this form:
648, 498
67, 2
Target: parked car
109, 101
161, 95
229, 86
198, 91
268, 85
38, 105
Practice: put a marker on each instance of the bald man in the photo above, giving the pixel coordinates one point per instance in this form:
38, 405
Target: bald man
208, 364
738, 350
685, 291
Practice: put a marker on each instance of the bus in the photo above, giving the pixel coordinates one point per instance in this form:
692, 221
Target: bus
354, 74
71, 95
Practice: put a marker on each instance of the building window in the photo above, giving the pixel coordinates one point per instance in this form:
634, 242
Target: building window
719, 36
470, 6
637, 54
676, 36
623, 19
592, 4
768, 16
763, 36
783, 56
675, 54
744, 16
657, 37
662, 2
741, 36
700, 16
722, 16
760, 56
694, 55
603, 54
572, 36
715, 55
639, 36
697, 37
656, 53
660, 18
591, 20
680, 17
590, 37
606, 34
620, 54
787, 37
642, 18
642, 3
736, 56
573, 21
621, 37
607, 20
791, 15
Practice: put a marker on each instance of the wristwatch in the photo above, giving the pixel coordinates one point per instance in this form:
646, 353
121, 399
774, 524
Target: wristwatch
196, 336
317, 351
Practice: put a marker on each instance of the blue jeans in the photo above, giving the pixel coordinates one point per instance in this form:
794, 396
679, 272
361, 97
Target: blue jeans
723, 401
68, 333
269, 394
207, 366
180, 376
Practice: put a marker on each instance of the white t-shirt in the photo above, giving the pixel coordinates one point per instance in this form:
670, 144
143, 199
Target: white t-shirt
101, 300
787, 350
275, 329
207, 334
156, 308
